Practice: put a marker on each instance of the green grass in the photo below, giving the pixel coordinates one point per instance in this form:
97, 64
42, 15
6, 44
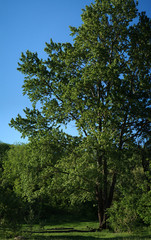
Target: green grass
40, 232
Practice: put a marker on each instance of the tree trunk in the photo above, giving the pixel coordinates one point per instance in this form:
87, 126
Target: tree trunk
101, 209
111, 193
104, 202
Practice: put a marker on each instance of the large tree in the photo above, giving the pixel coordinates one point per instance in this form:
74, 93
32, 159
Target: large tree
101, 83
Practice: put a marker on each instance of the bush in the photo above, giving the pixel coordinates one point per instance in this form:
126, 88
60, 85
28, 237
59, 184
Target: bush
123, 215
11, 208
144, 208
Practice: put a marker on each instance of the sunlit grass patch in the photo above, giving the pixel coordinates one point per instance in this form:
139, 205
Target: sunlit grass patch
63, 231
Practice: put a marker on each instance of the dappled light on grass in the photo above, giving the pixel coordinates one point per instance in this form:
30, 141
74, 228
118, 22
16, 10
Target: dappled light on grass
63, 232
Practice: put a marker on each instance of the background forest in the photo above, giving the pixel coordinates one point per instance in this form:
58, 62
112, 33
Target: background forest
34, 190
102, 84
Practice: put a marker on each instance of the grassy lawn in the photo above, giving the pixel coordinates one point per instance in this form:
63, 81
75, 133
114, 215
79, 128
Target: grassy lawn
68, 231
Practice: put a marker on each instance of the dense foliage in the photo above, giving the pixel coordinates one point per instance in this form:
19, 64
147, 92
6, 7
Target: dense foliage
102, 84
35, 182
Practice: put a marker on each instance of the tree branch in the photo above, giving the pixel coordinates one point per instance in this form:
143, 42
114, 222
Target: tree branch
72, 115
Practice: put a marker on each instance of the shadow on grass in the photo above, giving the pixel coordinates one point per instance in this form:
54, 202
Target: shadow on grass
90, 238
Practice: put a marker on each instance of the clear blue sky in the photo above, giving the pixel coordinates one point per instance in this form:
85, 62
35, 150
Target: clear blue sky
28, 24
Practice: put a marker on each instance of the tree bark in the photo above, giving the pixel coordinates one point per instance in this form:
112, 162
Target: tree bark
111, 193
102, 191
101, 209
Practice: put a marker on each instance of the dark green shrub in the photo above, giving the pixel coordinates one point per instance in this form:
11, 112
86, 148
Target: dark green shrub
123, 215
